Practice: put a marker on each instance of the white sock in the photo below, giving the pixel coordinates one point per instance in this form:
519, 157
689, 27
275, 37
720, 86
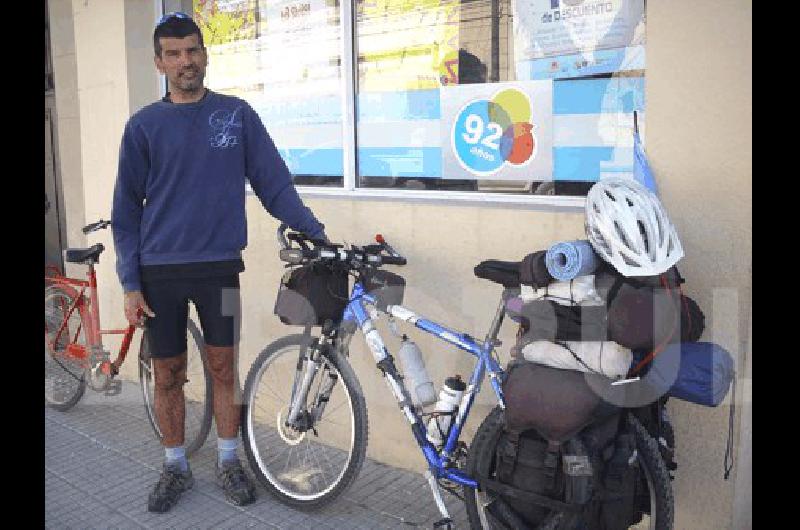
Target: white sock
177, 455
227, 448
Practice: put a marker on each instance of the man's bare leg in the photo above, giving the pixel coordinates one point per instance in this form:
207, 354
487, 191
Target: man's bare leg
227, 408
238, 488
170, 409
170, 404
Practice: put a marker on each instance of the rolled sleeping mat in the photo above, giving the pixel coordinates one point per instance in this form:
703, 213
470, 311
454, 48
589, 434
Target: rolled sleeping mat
569, 259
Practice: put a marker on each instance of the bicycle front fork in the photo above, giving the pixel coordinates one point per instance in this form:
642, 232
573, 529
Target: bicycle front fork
309, 363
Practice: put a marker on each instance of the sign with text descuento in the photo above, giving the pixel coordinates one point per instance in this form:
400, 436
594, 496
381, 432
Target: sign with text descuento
568, 38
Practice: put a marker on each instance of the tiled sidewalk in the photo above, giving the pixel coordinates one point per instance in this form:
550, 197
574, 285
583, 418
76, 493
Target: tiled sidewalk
101, 459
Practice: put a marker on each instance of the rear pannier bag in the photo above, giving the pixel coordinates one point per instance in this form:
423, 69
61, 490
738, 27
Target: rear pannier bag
556, 403
524, 462
311, 294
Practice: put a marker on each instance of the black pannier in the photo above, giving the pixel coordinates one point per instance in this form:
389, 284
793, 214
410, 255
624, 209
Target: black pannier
311, 294
590, 475
387, 287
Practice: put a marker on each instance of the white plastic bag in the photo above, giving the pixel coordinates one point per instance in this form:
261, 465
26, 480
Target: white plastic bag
578, 291
607, 358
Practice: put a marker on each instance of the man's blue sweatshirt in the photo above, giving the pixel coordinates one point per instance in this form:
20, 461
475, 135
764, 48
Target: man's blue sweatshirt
180, 190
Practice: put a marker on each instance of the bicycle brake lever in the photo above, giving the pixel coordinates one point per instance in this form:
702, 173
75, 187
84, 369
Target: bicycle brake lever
379, 238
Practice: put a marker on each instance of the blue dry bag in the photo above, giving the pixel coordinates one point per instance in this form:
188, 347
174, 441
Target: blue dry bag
704, 374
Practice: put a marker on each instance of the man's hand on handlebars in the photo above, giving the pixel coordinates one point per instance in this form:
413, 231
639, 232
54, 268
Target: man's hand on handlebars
136, 307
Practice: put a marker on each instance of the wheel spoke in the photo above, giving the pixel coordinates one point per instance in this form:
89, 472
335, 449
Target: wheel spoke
334, 409
277, 398
331, 422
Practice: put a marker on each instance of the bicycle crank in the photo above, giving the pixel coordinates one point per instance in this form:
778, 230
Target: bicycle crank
100, 371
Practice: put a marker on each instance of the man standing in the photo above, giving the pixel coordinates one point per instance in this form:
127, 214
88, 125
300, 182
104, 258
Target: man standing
179, 226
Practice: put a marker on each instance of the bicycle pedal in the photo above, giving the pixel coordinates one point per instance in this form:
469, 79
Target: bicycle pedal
446, 523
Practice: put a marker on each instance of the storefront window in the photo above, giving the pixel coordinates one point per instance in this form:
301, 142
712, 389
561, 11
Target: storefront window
504, 96
511, 96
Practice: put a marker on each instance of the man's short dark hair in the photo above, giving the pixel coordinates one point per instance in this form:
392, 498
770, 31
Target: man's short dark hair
178, 28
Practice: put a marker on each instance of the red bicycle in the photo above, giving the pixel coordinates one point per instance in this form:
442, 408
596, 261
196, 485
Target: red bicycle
75, 356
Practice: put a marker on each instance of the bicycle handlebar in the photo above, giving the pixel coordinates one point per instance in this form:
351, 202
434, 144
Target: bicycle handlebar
99, 225
368, 254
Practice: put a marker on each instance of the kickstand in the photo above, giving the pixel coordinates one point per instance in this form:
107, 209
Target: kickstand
446, 521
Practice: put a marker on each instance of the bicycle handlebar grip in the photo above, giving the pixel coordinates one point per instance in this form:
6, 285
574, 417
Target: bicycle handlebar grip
292, 255
91, 227
393, 260
281, 237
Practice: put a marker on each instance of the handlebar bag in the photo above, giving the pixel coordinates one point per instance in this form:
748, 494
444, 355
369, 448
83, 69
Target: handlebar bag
311, 294
387, 287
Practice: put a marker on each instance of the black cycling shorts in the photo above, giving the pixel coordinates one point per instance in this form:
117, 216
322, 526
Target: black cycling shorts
216, 300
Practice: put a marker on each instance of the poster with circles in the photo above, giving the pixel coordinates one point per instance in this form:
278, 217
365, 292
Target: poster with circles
498, 131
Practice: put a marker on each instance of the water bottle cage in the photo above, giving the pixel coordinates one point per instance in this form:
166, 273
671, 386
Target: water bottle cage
437, 414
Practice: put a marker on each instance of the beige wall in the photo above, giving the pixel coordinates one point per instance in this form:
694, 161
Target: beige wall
699, 116
699, 143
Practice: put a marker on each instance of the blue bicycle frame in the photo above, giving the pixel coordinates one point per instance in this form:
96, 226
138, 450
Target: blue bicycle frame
361, 310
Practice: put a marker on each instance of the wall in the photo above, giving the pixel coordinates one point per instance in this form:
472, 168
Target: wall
698, 140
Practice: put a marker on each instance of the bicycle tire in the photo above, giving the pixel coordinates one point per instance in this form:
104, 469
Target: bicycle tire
60, 367
659, 484
198, 416
481, 455
359, 418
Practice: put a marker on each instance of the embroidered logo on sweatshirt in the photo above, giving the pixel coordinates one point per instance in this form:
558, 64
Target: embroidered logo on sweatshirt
224, 125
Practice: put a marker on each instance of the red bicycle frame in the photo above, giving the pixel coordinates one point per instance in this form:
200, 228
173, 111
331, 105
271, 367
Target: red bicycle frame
89, 310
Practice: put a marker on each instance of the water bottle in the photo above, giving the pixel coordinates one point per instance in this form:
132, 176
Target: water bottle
449, 398
419, 383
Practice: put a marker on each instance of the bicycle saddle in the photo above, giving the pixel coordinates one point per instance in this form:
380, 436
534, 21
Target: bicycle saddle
79, 255
506, 273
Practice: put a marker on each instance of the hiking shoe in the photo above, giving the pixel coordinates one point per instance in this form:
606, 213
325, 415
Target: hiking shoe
172, 482
238, 487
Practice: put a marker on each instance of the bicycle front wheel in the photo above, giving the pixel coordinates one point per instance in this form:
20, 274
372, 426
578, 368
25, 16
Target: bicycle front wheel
197, 390
64, 375
310, 463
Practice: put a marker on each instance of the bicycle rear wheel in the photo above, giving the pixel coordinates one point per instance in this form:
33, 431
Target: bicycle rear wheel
309, 466
197, 390
64, 381
659, 513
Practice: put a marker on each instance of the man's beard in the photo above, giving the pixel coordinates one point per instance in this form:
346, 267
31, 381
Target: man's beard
191, 85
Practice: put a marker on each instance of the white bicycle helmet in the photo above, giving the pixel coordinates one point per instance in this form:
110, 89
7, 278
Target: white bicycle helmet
629, 228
